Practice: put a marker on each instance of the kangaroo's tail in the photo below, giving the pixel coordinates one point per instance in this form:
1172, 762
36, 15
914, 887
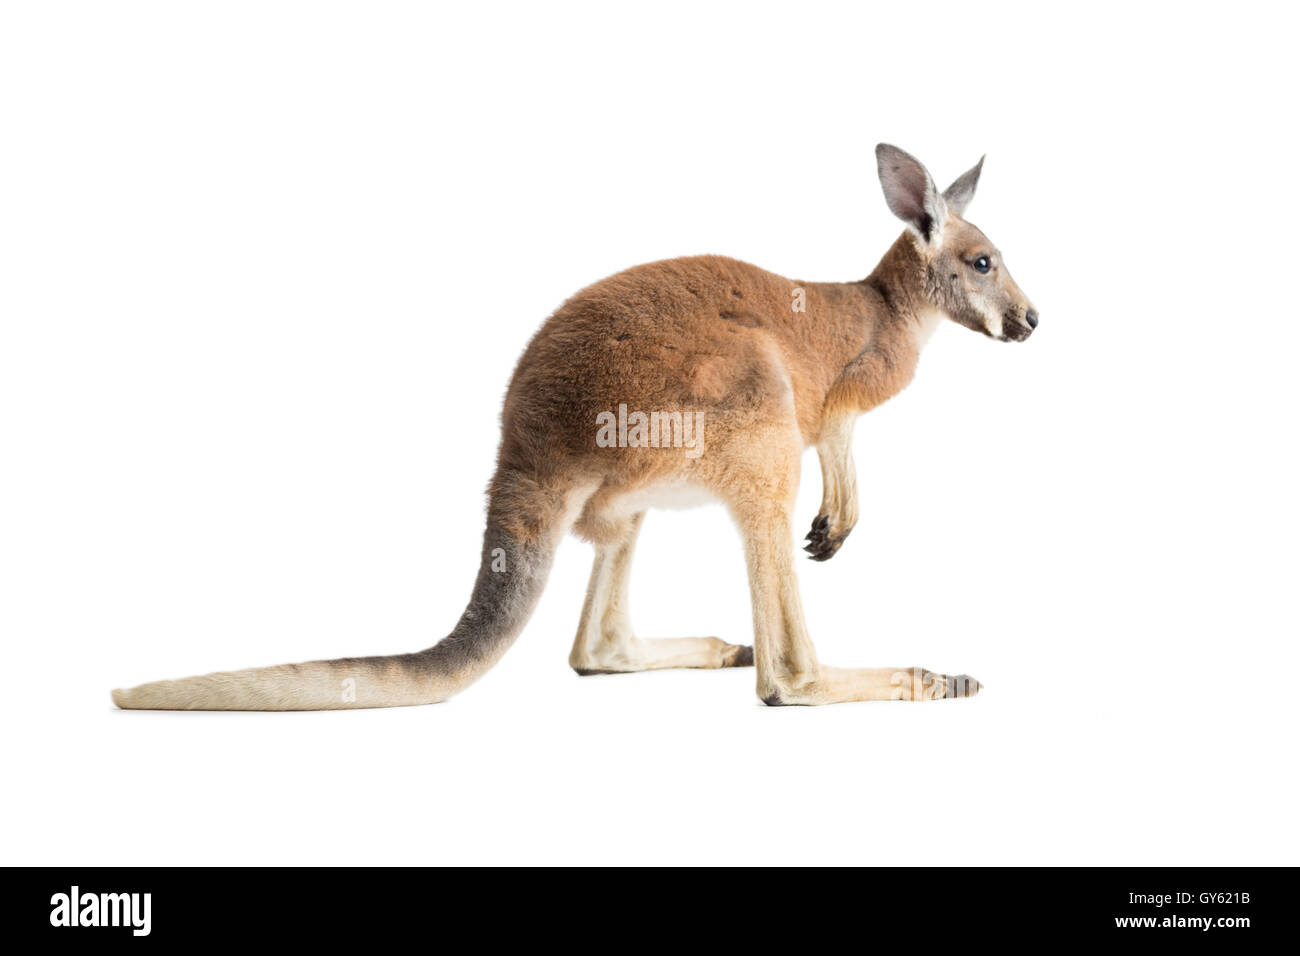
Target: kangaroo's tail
525, 524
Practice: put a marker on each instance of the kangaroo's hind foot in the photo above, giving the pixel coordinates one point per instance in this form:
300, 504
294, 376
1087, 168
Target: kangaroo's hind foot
637, 654
841, 684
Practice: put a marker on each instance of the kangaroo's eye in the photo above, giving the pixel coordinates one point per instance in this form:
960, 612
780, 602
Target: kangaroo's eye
981, 264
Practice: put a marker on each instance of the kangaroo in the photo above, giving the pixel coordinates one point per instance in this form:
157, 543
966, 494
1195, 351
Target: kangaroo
690, 379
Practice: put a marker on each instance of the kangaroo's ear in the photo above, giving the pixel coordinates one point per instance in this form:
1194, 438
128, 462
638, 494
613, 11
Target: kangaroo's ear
910, 192
962, 190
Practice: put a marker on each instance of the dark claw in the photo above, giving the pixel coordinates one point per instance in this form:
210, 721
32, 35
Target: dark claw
822, 545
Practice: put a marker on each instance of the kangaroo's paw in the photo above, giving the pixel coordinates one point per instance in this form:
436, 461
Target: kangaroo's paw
663, 653
825, 538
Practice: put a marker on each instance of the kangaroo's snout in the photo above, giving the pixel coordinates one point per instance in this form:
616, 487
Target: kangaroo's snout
1018, 324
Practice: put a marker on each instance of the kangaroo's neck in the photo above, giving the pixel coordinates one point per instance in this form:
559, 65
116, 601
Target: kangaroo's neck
899, 280
902, 320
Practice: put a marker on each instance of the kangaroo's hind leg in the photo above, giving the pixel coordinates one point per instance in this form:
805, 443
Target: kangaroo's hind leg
788, 670
606, 643
765, 475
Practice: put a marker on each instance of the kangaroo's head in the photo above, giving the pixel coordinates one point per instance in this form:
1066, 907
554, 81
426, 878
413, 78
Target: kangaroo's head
965, 277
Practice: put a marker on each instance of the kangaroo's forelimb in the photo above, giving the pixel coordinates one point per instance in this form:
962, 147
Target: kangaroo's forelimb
838, 514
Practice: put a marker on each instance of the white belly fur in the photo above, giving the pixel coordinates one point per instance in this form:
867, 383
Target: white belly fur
665, 496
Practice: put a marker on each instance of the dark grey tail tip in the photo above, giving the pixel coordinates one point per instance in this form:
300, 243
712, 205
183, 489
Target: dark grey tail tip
744, 657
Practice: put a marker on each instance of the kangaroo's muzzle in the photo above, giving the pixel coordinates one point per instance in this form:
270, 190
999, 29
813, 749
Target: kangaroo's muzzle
1017, 326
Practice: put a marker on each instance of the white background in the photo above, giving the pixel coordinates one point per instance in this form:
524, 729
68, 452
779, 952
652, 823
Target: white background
264, 273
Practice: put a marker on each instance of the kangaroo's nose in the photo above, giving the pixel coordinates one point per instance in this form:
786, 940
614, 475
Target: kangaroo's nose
1032, 318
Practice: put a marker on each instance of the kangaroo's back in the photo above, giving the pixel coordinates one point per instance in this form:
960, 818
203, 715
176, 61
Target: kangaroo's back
705, 332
